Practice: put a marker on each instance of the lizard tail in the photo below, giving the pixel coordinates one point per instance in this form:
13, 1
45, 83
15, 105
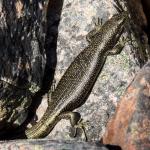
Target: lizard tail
43, 127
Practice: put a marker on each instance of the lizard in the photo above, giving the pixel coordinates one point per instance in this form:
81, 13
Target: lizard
78, 80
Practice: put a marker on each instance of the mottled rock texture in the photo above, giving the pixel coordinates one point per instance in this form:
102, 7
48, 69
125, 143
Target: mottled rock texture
22, 38
49, 145
77, 19
130, 126
22, 55
28, 39
146, 8
139, 13
31, 36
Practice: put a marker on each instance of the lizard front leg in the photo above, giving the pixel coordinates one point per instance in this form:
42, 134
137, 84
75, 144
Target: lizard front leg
92, 33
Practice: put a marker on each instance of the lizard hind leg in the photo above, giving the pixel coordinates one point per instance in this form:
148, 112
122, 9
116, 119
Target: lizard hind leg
75, 121
80, 125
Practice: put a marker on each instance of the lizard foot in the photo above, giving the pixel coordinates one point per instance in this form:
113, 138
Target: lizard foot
80, 125
75, 121
98, 24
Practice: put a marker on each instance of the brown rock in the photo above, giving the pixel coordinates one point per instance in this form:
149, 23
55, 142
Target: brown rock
136, 10
130, 126
139, 24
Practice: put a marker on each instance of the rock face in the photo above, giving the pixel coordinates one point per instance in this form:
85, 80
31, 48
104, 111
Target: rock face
139, 11
22, 35
130, 126
49, 145
28, 55
77, 19
12, 112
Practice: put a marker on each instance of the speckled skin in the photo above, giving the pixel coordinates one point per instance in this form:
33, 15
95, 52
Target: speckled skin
76, 84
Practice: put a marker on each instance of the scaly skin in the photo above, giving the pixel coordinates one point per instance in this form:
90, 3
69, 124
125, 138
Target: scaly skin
76, 84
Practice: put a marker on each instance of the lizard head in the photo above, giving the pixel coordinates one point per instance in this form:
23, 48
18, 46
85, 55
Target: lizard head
119, 19
116, 24
107, 37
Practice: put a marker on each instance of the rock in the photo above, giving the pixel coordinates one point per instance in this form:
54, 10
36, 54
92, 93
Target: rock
77, 19
146, 7
25, 58
139, 26
22, 35
130, 126
49, 145
12, 112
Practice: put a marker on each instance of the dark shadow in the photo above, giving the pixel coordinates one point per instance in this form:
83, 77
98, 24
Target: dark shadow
146, 8
108, 146
54, 10
53, 17
113, 147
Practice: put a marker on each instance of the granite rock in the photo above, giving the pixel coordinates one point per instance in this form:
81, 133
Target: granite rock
49, 145
130, 126
76, 21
